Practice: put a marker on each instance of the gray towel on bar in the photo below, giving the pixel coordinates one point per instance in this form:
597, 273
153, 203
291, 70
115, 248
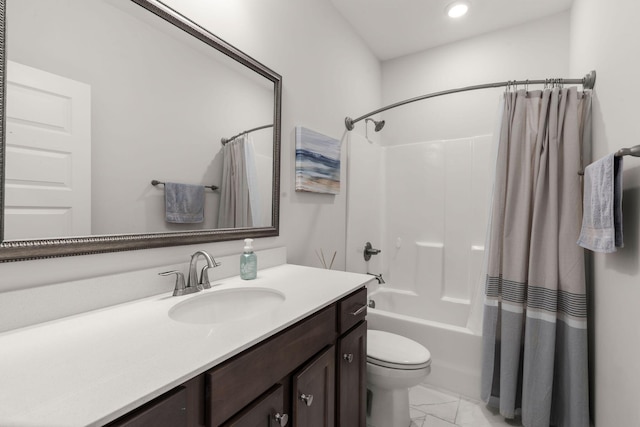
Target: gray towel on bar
602, 206
184, 203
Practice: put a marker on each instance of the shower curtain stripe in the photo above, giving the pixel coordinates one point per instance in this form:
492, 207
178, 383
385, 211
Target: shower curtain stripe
536, 297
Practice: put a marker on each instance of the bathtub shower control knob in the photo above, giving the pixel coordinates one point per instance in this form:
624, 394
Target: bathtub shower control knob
307, 398
281, 419
369, 250
348, 357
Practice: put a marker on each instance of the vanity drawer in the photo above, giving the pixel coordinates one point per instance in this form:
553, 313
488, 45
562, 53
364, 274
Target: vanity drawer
352, 310
237, 382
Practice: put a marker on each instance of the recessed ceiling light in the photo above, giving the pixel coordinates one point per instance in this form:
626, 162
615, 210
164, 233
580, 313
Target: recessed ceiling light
457, 9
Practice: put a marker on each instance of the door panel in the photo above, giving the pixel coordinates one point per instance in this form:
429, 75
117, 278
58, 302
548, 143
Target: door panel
314, 392
263, 412
352, 378
48, 149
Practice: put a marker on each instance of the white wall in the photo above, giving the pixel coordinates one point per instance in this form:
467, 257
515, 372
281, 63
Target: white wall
328, 73
536, 50
605, 36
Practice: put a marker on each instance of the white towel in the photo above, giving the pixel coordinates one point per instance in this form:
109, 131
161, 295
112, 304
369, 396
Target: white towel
184, 203
602, 206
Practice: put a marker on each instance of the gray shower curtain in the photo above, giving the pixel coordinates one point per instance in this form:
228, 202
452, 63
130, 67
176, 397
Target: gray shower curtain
535, 316
236, 209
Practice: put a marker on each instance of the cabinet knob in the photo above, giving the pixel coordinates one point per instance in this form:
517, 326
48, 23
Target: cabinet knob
281, 419
348, 357
307, 398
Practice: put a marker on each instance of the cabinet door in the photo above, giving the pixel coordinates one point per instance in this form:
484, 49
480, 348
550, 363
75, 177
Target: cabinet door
266, 411
169, 410
314, 392
352, 378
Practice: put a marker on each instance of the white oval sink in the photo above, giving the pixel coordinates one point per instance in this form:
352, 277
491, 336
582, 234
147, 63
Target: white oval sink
226, 305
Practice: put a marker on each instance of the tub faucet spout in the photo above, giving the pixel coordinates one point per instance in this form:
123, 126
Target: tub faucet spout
378, 278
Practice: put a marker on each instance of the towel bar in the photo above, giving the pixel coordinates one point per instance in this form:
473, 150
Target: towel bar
156, 182
633, 151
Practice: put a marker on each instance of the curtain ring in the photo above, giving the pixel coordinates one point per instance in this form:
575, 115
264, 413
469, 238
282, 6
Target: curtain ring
526, 86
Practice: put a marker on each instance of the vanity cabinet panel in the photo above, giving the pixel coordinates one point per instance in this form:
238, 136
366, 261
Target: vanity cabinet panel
351, 362
352, 310
168, 410
314, 392
235, 383
266, 411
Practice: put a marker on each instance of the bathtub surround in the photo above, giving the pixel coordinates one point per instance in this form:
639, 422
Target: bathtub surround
535, 319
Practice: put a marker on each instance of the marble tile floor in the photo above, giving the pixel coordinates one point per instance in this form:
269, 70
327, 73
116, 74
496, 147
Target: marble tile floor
431, 407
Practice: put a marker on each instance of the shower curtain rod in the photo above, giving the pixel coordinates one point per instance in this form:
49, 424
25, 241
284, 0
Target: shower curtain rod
225, 140
588, 82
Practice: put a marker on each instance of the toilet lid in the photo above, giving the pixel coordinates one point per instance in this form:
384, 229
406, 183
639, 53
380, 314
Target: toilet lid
391, 350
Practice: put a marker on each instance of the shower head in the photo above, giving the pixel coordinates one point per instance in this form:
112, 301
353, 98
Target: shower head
379, 124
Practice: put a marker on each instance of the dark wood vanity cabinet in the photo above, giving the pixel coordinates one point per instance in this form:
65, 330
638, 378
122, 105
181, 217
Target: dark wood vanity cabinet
313, 391
351, 389
266, 411
312, 374
168, 410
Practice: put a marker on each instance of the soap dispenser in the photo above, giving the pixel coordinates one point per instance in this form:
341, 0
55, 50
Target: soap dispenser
248, 261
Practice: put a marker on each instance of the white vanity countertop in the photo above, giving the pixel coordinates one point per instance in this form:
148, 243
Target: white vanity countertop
91, 368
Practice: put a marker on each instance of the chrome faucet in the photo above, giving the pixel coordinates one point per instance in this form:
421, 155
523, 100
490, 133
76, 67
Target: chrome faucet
203, 283
193, 284
378, 278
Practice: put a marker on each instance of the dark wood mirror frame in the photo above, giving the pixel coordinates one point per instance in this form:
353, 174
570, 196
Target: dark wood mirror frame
16, 250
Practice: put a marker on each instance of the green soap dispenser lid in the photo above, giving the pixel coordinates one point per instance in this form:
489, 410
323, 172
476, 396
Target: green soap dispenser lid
248, 247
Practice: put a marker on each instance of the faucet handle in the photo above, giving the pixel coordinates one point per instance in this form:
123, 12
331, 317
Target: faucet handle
204, 273
370, 250
179, 280
204, 277
180, 288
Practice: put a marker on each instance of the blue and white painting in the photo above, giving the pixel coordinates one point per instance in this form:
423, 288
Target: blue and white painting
317, 162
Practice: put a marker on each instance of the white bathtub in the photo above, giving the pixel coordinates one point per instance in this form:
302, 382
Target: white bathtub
455, 351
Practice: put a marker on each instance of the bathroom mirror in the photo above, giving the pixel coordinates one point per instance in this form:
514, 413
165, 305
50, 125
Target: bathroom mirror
102, 97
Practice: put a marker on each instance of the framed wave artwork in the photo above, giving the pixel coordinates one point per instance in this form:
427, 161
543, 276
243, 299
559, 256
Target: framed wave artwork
317, 162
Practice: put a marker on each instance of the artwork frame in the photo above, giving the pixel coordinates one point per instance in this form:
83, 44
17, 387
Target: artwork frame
317, 162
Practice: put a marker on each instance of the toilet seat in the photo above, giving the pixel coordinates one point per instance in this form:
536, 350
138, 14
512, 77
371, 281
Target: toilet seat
396, 352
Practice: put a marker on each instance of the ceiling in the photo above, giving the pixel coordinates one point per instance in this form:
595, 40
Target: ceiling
393, 28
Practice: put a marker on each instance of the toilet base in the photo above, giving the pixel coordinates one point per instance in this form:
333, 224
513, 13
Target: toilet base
388, 407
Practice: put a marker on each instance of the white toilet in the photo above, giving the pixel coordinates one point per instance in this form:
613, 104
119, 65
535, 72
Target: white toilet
394, 363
